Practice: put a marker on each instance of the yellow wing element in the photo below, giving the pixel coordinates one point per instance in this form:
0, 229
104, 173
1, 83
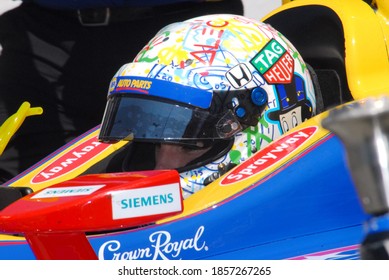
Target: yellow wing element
13, 123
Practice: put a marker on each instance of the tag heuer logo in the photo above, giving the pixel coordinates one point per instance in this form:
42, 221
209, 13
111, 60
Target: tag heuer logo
274, 63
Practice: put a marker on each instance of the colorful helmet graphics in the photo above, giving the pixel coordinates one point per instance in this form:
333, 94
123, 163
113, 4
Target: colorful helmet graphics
227, 80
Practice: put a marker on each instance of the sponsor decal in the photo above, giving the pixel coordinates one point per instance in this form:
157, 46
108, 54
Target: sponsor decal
132, 84
275, 63
162, 246
146, 201
67, 191
71, 160
270, 155
239, 75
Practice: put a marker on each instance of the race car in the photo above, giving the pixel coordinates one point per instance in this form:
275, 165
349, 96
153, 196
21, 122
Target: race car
294, 199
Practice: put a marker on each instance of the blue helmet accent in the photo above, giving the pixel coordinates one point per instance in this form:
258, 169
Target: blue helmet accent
160, 88
259, 96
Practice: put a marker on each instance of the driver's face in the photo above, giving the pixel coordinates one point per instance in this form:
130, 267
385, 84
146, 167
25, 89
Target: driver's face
170, 156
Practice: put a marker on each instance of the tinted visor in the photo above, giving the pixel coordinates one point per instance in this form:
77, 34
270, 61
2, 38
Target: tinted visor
132, 117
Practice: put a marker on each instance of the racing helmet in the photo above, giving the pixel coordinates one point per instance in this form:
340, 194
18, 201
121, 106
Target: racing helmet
224, 83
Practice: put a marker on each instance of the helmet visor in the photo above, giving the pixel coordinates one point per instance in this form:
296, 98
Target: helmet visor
136, 118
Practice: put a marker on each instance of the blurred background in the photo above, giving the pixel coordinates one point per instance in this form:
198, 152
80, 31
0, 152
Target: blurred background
253, 8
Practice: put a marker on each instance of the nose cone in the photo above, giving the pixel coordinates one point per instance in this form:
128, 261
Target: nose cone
363, 128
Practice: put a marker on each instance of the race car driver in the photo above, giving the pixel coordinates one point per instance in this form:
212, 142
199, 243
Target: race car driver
204, 95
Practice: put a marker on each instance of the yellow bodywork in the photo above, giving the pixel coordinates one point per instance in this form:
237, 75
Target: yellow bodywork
366, 31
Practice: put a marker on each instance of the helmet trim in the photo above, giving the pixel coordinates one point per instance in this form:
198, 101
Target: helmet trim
158, 88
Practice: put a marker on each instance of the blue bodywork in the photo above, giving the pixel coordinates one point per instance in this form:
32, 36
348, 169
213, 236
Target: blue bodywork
308, 207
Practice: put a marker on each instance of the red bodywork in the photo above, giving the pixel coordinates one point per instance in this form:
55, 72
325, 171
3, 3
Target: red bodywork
59, 216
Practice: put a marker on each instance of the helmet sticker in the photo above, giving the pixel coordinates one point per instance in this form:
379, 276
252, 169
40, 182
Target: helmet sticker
158, 88
239, 76
294, 106
274, 63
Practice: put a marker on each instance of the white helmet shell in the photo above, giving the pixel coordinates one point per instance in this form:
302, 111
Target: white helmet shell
224, 53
